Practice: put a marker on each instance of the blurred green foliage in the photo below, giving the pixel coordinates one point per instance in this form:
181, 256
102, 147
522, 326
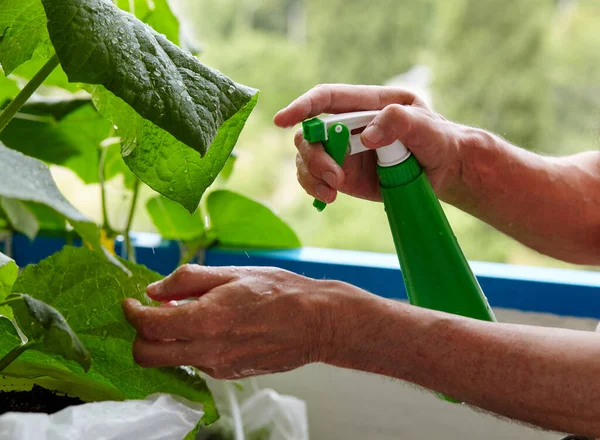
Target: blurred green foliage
526, 70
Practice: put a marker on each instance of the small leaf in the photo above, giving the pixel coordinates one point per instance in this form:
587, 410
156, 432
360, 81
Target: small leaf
48, 219
8, 275
27, 179
97, 43
20, 216
65, 132
239, 221
173, 221
48, 329
22, 25
228, 168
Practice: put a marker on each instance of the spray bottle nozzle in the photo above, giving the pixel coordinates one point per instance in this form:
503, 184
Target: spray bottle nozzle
340, 135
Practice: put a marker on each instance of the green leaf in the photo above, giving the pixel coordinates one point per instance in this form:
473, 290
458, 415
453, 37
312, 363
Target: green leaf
22, 29
8, 274
97, 43
228, 168
66, 132
163, 163
20, 217
47, 330
27, 179
114, 165
8, 334
48, 219
157, 14
239, 221
88, 290
173, 221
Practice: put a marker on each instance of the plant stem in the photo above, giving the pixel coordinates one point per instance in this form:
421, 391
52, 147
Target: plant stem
15, 105
13, 354
8, 301
128, 246
105, 221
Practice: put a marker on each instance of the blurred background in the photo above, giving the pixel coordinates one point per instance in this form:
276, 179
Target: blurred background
526, 70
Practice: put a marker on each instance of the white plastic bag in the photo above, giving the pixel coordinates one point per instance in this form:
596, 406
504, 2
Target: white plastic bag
263, 414
159, 417
285, 415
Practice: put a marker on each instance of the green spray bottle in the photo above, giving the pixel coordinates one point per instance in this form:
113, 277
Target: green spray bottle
435, 271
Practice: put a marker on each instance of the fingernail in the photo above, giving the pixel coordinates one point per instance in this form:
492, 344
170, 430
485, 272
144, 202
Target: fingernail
323, 192
330, 178
154, 288
373, 133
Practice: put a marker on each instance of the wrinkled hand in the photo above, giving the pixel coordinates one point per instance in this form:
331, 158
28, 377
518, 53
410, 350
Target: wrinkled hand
244, 322
432, 139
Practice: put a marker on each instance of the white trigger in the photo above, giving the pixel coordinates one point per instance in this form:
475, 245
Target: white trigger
387, 156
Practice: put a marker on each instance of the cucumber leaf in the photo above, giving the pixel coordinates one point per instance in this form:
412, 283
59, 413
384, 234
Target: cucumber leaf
238, 221
26, 179
22, 30
8, 274
20, 217
162, 162
172, 221
88, 290
155, 13
66, 132
98, 43
47, 330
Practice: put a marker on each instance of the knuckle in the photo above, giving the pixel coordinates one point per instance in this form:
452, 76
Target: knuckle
184, 273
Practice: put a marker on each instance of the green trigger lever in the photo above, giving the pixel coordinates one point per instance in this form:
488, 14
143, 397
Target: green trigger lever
335, 140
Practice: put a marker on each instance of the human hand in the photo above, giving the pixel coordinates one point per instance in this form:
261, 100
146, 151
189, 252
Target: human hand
245, 321
431, 138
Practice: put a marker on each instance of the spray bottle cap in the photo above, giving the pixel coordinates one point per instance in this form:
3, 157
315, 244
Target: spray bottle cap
340, 135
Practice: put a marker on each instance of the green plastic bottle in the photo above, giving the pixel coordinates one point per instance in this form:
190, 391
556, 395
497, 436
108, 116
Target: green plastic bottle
435, 271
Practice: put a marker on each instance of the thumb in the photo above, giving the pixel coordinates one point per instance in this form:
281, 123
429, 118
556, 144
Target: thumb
392, 123
190, 280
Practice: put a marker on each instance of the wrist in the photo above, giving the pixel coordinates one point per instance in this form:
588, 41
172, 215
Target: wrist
476, 153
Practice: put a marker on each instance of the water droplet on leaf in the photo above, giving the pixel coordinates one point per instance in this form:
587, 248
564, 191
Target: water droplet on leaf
88, 322
114, 40
231, 89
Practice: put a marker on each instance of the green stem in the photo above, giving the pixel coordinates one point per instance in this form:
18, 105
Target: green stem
13, 354
8, 301
15, 105
105, 220
128, 246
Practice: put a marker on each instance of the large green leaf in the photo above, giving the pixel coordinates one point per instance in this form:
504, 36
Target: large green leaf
97, 43
20, 216
173, 221
26, 179
239, 221
156, 13
163, 163
88, 290
22, 30
47, 330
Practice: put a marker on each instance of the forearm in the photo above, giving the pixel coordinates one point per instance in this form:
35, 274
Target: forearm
542, 376
549, 204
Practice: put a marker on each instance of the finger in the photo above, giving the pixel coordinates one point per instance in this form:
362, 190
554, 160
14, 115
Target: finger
400, 122
315, 187
163, 323
153, 354
189, 280
320, 164
341, 98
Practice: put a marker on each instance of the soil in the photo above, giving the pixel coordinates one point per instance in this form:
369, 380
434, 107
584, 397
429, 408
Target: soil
38, 400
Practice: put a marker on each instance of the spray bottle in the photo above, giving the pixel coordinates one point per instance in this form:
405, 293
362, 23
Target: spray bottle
435, 271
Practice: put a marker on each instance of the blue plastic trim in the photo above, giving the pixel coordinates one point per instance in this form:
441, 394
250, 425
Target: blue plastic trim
530, 289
